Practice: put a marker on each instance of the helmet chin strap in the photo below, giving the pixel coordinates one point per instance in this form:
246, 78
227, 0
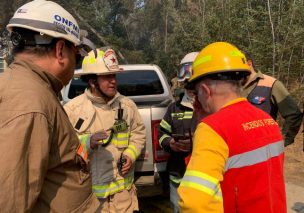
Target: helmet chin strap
105, 96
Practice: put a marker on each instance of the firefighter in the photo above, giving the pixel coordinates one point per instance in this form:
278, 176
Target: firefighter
178, 82
111, 132
176, 129
270, 95
40, 170
237, 158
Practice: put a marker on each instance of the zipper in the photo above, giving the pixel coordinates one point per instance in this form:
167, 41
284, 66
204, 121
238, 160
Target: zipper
236, 191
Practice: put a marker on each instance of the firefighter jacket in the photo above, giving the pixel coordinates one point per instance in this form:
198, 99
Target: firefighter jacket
40, 170
242, 150
178, 120
270, 95
89, 114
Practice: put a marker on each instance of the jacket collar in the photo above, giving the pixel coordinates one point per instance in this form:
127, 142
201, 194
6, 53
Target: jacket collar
100, 100
45, 76
259, 75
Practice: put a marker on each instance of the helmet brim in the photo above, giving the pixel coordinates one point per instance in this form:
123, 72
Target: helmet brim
219, 75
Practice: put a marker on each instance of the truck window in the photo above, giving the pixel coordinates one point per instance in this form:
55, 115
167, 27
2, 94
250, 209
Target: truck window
77, 87
139, 83
130, 83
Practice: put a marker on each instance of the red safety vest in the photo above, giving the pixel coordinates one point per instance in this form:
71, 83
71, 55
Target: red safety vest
253, 178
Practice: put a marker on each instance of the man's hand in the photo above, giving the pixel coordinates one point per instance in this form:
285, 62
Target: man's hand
127, 165
97, 139
182, 145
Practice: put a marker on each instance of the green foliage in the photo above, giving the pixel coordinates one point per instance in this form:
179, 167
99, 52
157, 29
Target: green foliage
163, 31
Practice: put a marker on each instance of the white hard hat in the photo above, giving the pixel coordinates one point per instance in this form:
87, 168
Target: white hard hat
47, 18
189, 58
99, 62
185, 70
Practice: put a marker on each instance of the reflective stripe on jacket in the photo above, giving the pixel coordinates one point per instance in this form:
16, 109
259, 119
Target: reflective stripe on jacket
242, 151
177, 120
97, 115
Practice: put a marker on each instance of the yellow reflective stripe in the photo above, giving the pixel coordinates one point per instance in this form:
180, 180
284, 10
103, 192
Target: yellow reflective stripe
175, 179
177, 114
121, 139
165, 125
202, 188
132, 151
84, 145
120, 143
84, 61
202, 60
202, 182
122, 135
202, 175
112, 188
91, 60
162, 138
188, 115
84, 140
182, 115
101, 53
237, 53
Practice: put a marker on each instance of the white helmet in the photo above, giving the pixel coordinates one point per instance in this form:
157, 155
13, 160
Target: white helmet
49, 19
185, 71
99, 62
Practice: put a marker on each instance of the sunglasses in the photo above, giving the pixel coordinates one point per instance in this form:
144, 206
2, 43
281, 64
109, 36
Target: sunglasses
76, 50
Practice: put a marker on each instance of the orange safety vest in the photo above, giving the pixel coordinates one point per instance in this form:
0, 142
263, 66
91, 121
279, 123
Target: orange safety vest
253, 179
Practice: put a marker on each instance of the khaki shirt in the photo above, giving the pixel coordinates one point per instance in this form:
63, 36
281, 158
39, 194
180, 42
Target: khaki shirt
40, 171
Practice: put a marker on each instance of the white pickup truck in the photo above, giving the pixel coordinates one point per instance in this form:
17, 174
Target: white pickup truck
147, 86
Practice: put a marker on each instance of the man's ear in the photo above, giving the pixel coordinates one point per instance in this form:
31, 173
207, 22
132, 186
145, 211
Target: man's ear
59, 51
206, 90
92, 83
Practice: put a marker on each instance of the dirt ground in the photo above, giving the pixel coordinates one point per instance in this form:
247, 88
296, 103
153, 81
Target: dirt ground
294, 161
294, 174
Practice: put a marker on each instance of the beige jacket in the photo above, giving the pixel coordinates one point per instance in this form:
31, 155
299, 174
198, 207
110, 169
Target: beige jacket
40, 171
98, 115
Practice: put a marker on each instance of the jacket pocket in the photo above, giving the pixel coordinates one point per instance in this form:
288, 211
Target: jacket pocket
84, 171
104, 164
91, 204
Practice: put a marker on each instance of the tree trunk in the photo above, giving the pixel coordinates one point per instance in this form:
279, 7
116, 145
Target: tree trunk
273, 38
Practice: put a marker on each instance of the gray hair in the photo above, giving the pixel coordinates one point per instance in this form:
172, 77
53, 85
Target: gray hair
223, 86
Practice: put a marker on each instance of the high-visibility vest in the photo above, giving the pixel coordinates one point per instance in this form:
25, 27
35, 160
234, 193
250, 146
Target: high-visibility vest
253, 177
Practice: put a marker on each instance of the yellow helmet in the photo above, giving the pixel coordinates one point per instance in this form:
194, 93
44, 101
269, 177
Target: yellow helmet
99, 62
220, 60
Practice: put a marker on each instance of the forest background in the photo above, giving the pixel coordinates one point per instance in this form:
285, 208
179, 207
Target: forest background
163, 31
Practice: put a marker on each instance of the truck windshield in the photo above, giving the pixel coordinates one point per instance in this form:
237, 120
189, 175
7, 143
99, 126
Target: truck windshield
130, 83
